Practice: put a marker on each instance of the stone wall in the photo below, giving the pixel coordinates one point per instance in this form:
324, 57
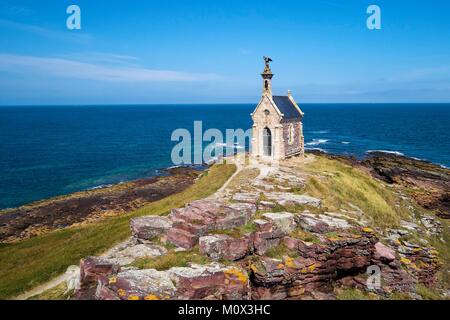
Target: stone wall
296, 147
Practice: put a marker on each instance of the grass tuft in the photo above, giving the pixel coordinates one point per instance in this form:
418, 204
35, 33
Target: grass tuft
339, 184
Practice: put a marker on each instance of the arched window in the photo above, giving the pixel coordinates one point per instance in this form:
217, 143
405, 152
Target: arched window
291, 134
266, 84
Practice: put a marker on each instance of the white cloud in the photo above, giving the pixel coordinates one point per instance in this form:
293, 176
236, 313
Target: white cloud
47, 33
71, 69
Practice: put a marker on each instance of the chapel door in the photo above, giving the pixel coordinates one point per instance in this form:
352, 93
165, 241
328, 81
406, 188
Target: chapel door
267, 142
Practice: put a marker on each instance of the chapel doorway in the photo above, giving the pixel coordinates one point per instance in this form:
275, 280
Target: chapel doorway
267, 142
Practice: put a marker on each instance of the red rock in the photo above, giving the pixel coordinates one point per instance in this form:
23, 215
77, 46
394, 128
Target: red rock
384, 253
211, 282
182, 238
148, 284
94, 268
263, 241
203, 216
225, 247
149, 227
263, 225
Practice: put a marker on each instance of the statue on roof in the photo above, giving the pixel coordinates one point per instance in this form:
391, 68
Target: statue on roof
267, 70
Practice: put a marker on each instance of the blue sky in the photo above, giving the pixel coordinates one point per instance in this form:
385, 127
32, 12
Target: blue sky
211, 51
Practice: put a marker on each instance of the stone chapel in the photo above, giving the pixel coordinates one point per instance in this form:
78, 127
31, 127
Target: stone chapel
277, 123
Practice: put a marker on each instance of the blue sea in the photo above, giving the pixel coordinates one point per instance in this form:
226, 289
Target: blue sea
47, 151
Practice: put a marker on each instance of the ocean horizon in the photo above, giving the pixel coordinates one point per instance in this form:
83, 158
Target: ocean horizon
53, 150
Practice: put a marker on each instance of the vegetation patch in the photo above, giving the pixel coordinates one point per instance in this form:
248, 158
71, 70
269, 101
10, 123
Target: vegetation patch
354, 294
280, 251
339, 184
238, 232
171, 259
59, 292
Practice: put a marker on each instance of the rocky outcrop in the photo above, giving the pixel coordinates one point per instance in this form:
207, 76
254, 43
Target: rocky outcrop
130, 253
149, 227
250, 250
314, 270
201, 217
266, 236
248, 197
430, 182
94, 268
136, 285
283, 221
320, 223
211, 282
196, 282
220, 246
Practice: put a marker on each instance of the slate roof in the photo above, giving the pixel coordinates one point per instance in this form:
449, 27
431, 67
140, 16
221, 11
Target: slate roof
286, 107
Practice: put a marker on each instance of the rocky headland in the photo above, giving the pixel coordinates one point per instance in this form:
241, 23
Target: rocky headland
320, 227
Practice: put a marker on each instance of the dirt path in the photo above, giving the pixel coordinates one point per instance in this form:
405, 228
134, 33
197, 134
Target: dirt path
42, 288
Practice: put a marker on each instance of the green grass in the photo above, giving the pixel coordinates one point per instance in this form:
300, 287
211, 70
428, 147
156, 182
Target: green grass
340, 184
428, 293
31, 262
280, 251
444, 254
353, 294
171, 259
238, 232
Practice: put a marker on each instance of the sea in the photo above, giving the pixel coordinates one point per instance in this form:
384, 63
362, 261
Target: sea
46, 151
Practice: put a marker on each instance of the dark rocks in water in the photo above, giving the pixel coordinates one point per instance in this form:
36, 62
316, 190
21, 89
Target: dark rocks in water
429, 183
88, 206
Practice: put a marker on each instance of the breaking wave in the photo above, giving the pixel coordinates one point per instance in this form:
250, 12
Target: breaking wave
386, 151
316, 142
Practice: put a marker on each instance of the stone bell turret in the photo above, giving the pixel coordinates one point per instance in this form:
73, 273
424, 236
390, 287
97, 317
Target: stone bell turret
267, 78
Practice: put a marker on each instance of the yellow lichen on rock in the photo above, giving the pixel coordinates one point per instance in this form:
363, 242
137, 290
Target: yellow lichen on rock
134, 297
312, 267
233, 272
121, 293
290, 263
368, 230
405, 261
112, 280
152, 297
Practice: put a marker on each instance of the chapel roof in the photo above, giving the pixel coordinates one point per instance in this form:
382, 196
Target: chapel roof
287, 107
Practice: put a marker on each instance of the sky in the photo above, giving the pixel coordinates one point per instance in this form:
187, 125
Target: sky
196, 51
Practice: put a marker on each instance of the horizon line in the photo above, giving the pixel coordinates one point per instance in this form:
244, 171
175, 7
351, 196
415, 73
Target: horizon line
195, 103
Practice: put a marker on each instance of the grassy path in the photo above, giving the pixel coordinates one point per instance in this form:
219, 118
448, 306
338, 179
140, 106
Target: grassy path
30, 263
